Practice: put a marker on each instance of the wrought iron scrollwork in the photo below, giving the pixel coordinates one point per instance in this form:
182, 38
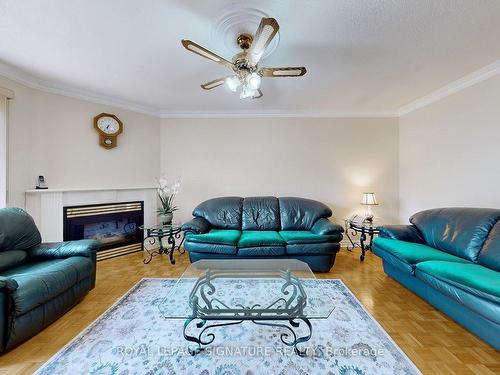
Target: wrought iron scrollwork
155, 236
290, 338
354, 229
206, 307
203, 337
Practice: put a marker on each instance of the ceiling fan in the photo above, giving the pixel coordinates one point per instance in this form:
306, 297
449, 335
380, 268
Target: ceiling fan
245, 64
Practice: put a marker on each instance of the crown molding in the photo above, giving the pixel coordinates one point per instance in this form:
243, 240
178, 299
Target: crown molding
274, 114
29, 80
471, 79
9, 94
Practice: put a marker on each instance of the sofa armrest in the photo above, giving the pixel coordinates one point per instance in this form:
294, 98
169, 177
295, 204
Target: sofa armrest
408, 233
324, 227
82, 248
197, 225
8, 284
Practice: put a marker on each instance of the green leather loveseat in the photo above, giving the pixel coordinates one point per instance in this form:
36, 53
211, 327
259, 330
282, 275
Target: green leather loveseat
264, 227
39, 282
451, 258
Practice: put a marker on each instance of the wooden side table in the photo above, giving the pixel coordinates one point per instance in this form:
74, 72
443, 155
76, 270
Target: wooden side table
364, 229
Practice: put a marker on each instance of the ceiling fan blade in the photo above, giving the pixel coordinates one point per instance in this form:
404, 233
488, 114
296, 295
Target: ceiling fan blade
203, 52
259, 95
283, 72
265, 33
215, 83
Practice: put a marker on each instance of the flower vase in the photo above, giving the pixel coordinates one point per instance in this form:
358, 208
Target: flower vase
166, 219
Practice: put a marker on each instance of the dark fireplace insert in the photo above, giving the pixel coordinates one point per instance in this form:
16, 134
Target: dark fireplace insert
114, 225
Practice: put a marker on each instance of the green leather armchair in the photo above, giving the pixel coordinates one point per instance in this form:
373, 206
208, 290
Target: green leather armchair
39, 282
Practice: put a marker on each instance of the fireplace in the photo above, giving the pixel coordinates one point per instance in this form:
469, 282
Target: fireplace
114, 225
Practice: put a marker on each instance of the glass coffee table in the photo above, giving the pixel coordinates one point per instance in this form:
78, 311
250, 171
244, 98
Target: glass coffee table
270, 292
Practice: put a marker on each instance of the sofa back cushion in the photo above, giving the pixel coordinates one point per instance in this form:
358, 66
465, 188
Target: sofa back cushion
261, 213
301, 213
221, 213
17, 230
458, 231
489, 256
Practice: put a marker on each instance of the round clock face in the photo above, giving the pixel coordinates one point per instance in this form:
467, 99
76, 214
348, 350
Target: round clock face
108, 125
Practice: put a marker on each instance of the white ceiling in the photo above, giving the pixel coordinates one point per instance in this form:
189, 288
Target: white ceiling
362, 56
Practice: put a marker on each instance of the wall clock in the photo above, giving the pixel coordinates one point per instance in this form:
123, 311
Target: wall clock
108, 126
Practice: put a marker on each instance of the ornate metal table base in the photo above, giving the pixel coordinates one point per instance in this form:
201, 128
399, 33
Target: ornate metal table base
289, 338
206, 306
363, 230
155, 236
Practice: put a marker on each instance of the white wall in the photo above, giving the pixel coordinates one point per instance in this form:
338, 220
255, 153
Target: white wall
445, 154
3, 150
450, 151
331, 160
53, 135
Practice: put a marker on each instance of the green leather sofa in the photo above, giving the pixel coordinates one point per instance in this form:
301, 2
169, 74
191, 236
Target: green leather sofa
39, 282
264, 227
451, 258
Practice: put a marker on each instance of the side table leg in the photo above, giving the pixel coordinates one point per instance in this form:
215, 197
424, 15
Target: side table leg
151, 240
171, 242
362, 239
353, 244
371, 241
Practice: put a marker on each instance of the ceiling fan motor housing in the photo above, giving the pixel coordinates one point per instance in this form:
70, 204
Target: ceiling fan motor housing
244, 41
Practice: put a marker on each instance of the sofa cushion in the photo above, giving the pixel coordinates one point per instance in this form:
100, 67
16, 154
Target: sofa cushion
301, 213
221, 213
473, 278
261, 213
17, 230
483, 304
392, 261
489, 256
216, 236
305, 237
458, 231
12, 258
209, 248
42, 281
413, 253
251, 238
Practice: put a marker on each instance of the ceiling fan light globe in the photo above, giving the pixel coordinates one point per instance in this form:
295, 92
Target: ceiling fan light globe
232, 83
248, 93
253, 81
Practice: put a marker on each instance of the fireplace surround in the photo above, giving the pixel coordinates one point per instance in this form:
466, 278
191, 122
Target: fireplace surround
114, 225
47, 206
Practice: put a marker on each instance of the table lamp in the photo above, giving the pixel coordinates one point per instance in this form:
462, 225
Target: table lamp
369, 200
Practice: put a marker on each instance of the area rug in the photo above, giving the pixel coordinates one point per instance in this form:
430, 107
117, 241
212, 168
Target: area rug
132, 337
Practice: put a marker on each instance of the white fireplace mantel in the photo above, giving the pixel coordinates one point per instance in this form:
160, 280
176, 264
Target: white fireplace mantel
46, 205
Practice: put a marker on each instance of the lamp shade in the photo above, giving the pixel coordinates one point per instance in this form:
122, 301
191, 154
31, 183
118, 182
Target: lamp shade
369, 199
